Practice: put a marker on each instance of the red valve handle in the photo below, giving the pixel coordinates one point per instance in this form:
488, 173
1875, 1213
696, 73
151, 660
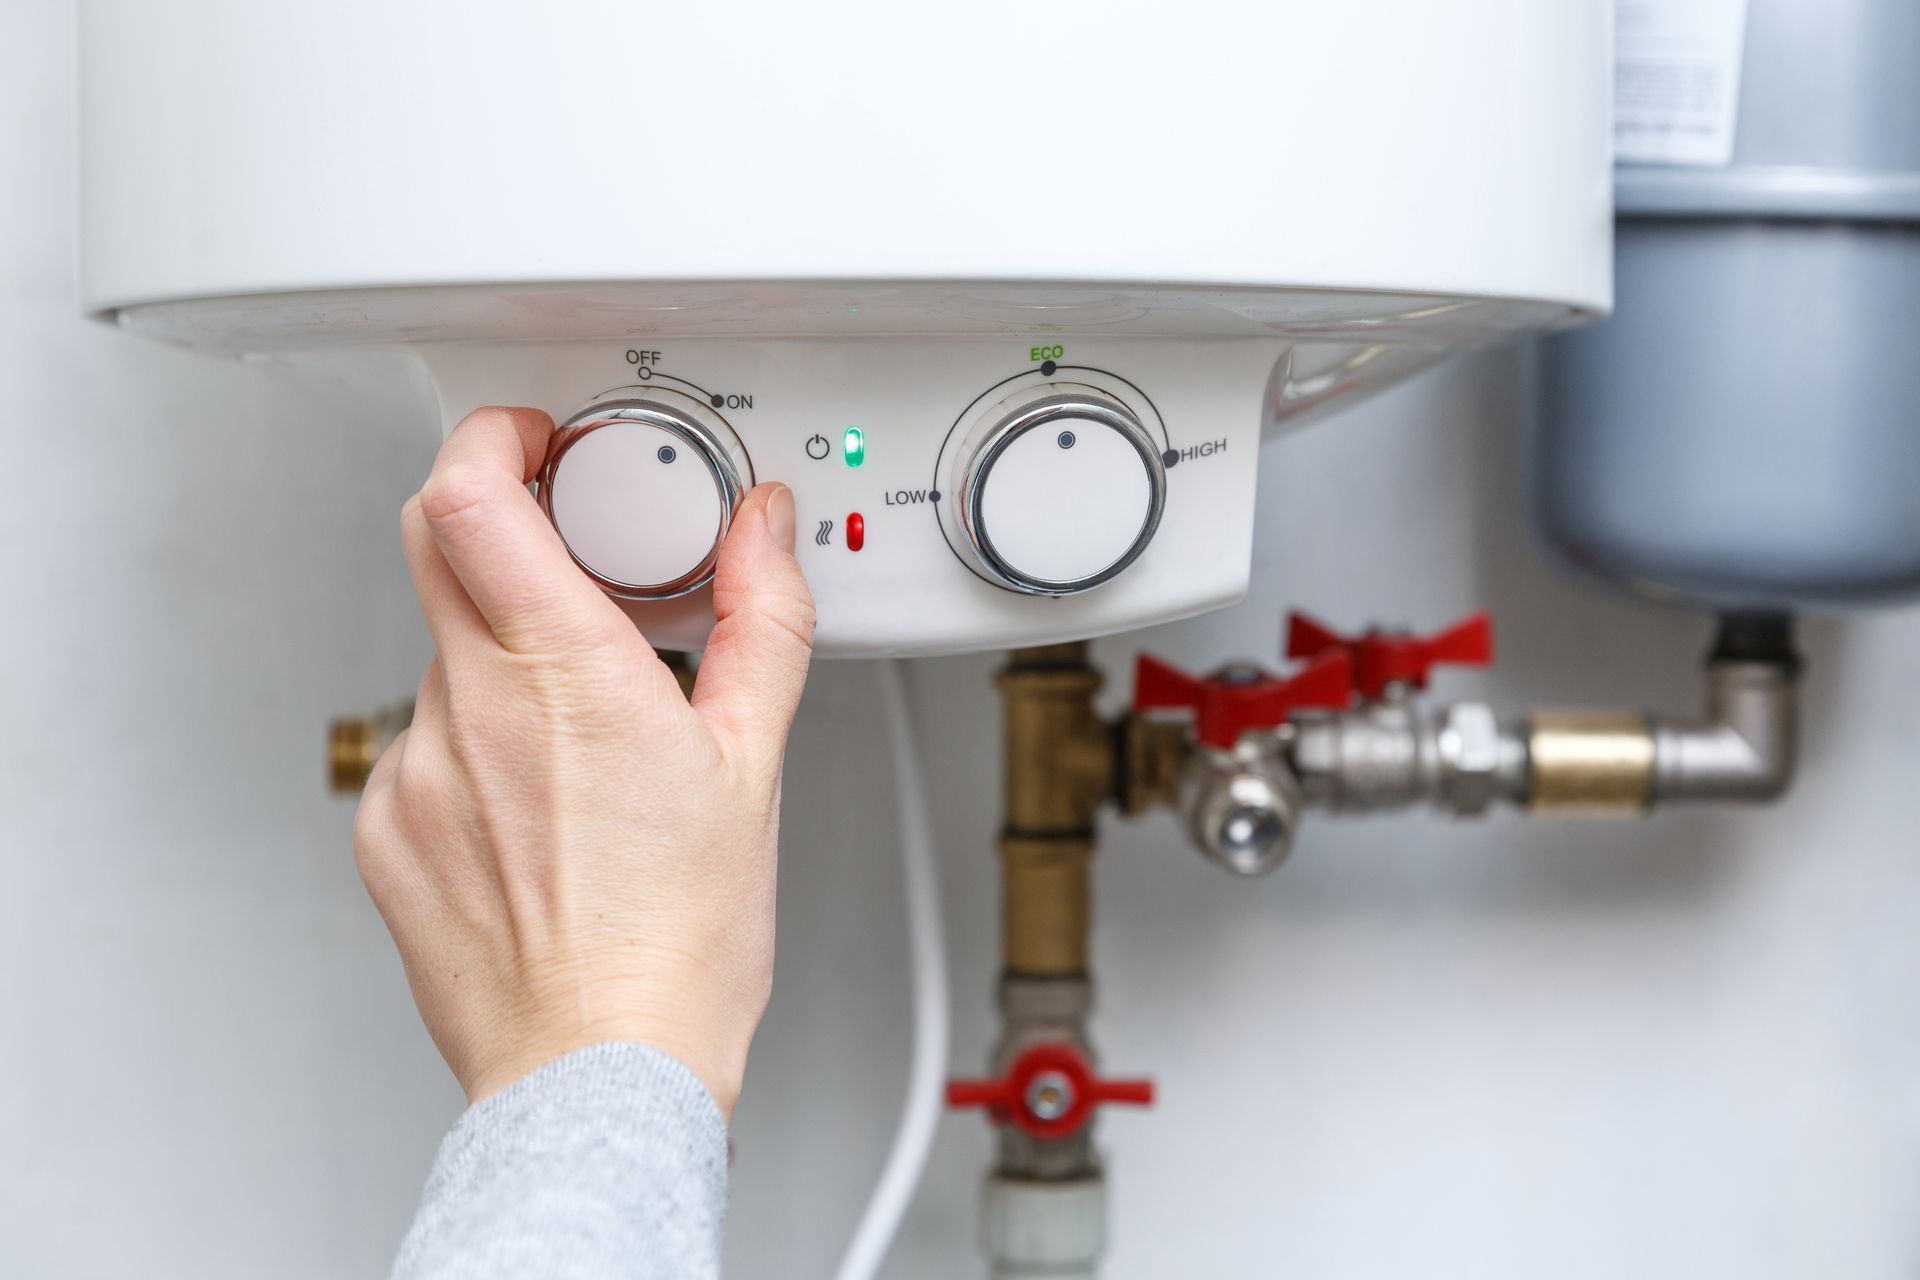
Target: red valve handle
1381, 658
1057, 1080
1225, 707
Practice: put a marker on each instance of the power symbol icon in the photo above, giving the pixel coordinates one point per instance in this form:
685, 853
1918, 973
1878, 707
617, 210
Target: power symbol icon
817, 446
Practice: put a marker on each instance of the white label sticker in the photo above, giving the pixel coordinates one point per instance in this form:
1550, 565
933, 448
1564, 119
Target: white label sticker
1676, 80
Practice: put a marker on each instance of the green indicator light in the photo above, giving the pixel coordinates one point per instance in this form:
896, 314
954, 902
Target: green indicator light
854, 446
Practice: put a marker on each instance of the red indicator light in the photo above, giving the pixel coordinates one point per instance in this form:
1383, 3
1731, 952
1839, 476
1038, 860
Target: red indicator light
856, 531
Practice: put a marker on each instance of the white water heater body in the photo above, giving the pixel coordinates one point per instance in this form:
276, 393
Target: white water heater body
1007, 294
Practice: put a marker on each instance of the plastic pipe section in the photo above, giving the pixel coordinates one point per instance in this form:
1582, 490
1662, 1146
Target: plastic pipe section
1031, 1229
1390, 754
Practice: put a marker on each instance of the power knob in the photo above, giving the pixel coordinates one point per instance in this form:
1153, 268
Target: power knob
1055, 491
642, 493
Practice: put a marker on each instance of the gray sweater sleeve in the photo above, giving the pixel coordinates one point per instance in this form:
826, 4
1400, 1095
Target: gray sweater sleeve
608, 1164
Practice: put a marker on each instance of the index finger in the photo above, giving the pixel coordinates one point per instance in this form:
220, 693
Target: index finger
499, 543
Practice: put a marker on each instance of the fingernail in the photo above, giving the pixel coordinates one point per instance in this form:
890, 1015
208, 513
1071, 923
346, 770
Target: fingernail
780, 515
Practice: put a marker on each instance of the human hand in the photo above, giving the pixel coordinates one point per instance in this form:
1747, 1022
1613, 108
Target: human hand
565, 850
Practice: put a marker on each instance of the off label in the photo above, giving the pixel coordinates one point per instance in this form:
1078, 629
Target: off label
646, 366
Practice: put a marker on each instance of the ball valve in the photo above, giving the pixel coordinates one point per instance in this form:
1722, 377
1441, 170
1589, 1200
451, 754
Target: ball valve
1240, 800
1048, 1092
1388, 751
1385, 659
1240, 698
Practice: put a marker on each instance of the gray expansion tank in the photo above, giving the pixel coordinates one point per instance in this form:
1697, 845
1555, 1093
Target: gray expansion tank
1745, 431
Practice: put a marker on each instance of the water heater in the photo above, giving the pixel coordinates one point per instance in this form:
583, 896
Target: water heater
1008, 294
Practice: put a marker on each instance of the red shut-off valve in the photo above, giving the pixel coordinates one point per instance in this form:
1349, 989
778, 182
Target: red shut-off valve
1383, 658
1239, 700
1049, 1092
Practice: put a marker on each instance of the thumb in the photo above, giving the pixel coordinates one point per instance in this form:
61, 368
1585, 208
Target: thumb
756, 659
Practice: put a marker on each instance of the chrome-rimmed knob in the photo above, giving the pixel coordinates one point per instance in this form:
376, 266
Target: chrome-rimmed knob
1058, 492
642, 492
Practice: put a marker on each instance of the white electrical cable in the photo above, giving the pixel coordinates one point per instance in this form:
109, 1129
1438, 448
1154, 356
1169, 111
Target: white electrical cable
927, 1071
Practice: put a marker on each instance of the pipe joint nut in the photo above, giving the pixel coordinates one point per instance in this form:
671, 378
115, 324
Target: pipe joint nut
1474, 758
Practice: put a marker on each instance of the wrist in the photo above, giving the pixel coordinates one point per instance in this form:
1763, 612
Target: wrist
715, 1053
722, 1079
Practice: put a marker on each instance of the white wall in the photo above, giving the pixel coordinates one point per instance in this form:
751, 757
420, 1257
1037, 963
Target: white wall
1689, 1046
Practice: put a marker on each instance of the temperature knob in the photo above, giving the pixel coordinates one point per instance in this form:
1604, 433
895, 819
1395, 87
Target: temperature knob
1055, 492
642, 492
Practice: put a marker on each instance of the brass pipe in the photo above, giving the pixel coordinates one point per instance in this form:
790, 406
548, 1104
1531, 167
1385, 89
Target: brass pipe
1063, 764
1047, 904
1060, 762
354, 744
1153, 757
1590, 763
1060, 756
1060, 766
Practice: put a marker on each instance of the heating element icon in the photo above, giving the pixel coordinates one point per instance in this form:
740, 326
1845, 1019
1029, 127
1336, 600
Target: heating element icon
825, 536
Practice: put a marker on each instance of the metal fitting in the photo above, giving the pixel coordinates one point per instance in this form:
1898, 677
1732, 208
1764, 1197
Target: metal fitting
1377, 757
354, 744
1153, 754
1059, 752
1480, 760
1241, 806
1589, 763
1743, 750
1389, 755
1033, 1011
1045, 903
1050, 1095
1059, 769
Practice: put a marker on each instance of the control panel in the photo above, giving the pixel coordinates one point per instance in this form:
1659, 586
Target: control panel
952, 494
